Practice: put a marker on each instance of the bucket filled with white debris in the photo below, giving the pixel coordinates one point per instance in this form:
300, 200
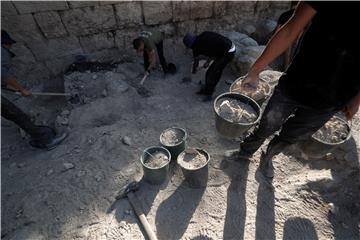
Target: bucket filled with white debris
335, 132
235, 113
194, 166
262, 92
155, 162
174, 140
271, 77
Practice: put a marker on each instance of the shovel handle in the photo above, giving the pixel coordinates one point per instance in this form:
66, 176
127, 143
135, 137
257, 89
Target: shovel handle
143, 79
135, 203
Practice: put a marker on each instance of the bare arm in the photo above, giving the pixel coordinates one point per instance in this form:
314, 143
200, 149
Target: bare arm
13, 84
352, 107
152, 59
282, 40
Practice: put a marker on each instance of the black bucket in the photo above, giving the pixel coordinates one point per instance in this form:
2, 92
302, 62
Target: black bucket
317, 148
233, 130
196, 178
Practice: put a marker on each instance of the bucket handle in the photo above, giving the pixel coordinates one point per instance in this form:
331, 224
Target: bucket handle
152, 156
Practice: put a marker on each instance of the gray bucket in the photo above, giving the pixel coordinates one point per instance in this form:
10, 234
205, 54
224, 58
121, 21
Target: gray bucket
259, 100
176, 149
196, 178
155, 176
233, 130
317, 148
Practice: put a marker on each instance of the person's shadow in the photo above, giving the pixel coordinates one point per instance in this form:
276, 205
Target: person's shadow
237, 171
174, 213
299, 229
265, 215
343, 191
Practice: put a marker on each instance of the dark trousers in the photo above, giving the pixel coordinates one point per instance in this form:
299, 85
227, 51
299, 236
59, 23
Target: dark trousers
213, 74
160, 52
39, 134
297, 123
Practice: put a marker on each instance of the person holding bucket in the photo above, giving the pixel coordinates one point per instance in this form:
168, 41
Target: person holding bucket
320, 81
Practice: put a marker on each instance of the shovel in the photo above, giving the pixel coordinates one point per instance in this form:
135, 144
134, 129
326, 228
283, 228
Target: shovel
39, 93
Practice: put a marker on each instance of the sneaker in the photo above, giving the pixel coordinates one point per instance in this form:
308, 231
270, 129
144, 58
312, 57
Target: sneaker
51, 145
56, 141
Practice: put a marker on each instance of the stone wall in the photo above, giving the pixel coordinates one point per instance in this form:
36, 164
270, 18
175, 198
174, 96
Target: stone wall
50, 34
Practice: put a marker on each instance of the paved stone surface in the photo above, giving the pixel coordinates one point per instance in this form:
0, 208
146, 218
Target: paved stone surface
50, 24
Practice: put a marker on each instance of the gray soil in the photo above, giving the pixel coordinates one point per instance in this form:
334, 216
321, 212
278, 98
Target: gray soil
192, 159
334, 131
172, 137
156, 160
69, 192
236, 111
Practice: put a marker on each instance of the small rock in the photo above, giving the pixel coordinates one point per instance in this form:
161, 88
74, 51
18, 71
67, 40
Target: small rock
21, 165
126, 140
68, 166
98, 178
65, 113
104, 93
94, 76
81, 173
333, 209
128, 212
82, 208
22, 133
49, 172
62, 120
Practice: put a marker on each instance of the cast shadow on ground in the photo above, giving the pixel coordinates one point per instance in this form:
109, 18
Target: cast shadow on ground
174, 214
343, 191
265, 213
234, 225
299, 229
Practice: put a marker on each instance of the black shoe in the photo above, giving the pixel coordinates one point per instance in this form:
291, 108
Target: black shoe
50, 145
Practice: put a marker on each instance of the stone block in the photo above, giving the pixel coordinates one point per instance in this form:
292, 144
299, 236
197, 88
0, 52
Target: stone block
53, 48
50, 24
22, 28
184, 27
241, 9
124, 38
80, 4
201, 9
129, 13
157, 12
206, 25
39, 6
168, 29
220, 8
7, 8
23, 54
89, 20
181, 11
98, 41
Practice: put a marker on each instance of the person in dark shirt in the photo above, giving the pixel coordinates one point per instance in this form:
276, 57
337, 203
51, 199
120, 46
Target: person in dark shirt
41, 136
320, 81
147, 44
214, 46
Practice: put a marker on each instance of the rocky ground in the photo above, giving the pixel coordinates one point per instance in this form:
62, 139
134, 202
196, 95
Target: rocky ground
69, 192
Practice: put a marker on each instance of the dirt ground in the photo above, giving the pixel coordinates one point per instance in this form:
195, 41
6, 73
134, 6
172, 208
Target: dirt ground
68, 192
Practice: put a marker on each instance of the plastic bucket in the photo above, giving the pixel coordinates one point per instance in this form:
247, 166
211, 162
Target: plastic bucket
155, 176
198, 177
317, 148
176, 149
259, 99
230, 129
